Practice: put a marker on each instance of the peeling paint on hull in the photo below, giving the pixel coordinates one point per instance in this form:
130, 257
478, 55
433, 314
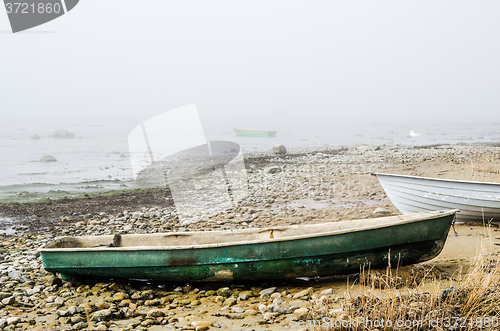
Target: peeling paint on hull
342, 253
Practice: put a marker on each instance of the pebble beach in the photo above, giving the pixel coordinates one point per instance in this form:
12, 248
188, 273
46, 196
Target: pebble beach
297, 187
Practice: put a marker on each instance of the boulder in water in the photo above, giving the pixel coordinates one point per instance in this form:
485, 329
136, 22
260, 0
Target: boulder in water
279, 149
60, 133
35, 137
48, 158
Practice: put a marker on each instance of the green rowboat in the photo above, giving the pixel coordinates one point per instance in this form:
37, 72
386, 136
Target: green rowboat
254, 133
253, 254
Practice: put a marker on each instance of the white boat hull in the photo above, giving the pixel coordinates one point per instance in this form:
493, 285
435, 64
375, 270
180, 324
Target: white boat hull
410, 194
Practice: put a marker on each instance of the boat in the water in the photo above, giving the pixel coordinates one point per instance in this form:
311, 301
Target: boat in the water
254, 133
310, 250
411, 194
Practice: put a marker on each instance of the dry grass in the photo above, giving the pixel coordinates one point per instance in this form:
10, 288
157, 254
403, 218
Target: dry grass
470, 303
479, 167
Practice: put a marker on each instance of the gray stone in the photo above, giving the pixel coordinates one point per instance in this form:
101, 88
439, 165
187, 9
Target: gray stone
102, 315
301, 294
263, 308
48, 158
268, 291
380, 210
9, 301
279, 149
243, 297
237, 310
273, 170
60, 133
59, 301
13, 320
35, 137
15, 274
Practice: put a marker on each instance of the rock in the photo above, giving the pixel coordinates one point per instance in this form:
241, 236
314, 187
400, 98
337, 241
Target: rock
380, 210
268, 291
59, 301
103, 305
15, 274
243, 297
120, 296
229, 302
9, 301
102, 315
4, 295
199, 324
277, 300
60, 133
263, 308
279, 149
13, 320
301, 294
62, 313
79, 326
48, 158
35, 137
301, 313
237, 310
155, 313
76, 319
156, 302
327, 291
224, 292
53, 280
273, 170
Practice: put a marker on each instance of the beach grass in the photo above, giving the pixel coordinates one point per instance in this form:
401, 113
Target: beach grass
478, 167
417, 298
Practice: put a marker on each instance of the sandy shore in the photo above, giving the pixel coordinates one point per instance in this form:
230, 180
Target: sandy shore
306, 187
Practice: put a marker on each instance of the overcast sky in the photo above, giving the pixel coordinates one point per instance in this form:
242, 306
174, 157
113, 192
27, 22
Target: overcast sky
247, 59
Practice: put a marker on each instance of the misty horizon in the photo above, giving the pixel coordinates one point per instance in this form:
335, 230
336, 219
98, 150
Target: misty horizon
260, 60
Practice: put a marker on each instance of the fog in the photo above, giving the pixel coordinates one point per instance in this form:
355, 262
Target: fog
243, 60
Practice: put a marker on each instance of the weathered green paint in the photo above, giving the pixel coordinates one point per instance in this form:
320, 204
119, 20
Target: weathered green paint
255, 133
341, 253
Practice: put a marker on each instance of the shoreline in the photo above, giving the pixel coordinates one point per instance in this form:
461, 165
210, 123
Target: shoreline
30, 192
310, 187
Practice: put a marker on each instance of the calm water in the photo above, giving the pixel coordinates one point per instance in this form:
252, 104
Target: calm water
100, 152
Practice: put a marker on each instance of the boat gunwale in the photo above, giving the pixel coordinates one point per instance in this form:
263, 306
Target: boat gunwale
436, 179
460, 199
414, 218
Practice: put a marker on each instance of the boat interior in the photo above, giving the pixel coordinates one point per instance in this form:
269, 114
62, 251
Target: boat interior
197, 238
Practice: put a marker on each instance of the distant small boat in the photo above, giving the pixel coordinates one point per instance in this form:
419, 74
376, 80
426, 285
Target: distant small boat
254, 133
253, 254
411, 194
